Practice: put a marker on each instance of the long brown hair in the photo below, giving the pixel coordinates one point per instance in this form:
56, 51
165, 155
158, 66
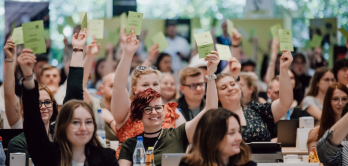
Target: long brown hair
63, 120
327, 119
251, 80
54, 105
211, 130
313, 87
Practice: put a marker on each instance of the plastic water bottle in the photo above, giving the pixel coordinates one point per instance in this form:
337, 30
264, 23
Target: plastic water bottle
100, 125
139, 153
2, 154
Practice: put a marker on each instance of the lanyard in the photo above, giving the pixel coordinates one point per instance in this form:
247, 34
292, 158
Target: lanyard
156, 140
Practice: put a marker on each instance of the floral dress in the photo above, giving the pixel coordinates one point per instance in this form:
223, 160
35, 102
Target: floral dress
132, 128
260, 124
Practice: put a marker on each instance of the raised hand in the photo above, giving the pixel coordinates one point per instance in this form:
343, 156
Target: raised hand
275, 46
10, 49
26, 61
235, 66
153, 52
109, 47
79, 41
236, 38
286, 59
93, 48
213, 61
123, 35
131, 44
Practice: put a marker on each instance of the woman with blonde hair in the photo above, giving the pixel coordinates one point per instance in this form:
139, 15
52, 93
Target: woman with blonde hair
248, 83
169, 90
142, 78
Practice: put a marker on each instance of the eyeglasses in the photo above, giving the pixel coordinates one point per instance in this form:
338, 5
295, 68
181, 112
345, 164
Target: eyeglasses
328, 80
336, 100
194, 86
158, 109
141, 68
47, 103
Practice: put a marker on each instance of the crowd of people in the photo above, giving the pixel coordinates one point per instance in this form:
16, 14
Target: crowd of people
215, 106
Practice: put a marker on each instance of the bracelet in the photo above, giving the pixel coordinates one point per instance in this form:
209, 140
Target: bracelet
27, 78
9, 60
77, 50
235, 45
210, 77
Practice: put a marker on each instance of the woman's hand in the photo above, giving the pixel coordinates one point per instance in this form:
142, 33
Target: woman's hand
286, 60
26, 61
79, 41
131, 44
10, 49
275, 47
213, 61
236, 38
235, 66
93, 48
153, 52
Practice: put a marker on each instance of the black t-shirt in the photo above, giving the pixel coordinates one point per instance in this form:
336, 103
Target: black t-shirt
170, 141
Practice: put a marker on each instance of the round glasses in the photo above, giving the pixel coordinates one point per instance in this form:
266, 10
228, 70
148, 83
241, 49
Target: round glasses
336, 100
47, 103
157, 108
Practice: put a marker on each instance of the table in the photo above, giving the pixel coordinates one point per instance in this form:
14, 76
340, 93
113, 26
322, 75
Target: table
293, 150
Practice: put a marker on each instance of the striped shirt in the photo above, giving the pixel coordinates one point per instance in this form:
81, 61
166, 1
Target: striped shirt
332, 155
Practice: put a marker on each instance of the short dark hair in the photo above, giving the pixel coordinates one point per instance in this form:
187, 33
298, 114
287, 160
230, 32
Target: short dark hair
299, 55
249, 62
41, 58
140, 101
338, 65
160, 57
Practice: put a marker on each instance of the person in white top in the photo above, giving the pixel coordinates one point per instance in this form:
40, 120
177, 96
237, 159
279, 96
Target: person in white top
178, 48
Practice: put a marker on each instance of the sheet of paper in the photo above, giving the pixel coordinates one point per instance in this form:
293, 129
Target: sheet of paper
136, 20
196, 22
229, 27
96, 27
224, 51
47, 34
17, 36
70, 21
285, 40
205, 44
33, 35
161, 40
83, 20
275, 30
344, 32
316, 40
123, 19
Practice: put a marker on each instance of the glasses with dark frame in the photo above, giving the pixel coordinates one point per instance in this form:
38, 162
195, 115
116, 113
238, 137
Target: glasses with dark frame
141, 68
194, 86
158, 109
47, 103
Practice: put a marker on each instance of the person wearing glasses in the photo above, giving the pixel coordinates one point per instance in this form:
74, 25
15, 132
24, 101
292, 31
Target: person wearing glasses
147, 108
192, 86
333, 109
142, 78
75, 141
313, 102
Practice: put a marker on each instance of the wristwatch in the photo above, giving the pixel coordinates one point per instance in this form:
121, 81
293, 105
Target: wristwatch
27, 78
211, 77
77, 50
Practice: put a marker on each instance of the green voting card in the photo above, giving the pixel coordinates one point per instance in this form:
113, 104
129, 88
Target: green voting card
316, 40
123, 19
224, 51
17, 36
205, 44
285, 40
275, 30
196, 22
70, 21
344, 32
229, 27
161, 40
96, 27
136, 20
33, 35
83, 20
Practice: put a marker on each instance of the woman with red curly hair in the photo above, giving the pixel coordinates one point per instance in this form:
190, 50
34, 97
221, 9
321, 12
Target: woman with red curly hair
147, 107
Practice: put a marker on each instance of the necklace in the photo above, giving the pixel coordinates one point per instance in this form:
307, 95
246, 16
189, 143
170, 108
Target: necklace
154, 132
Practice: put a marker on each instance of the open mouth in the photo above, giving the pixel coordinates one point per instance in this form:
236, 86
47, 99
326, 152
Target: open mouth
154, 119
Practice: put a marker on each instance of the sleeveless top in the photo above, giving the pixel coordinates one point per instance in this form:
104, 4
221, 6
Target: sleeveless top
133, 128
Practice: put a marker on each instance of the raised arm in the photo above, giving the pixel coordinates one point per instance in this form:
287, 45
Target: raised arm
92, 51
120, 103
109, 62
39, 146
153, 54
12, 107
212, 98
233, 67
74, 88
281, 106
235, 41
272, 63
